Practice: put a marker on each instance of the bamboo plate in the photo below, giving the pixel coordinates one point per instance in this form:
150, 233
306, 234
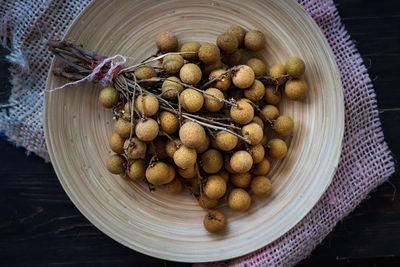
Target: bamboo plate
167, 226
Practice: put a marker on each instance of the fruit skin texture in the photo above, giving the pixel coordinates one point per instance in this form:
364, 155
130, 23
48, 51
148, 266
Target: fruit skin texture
206, 202
191, 100
109, 97
167, 42
295, 67
170, 147
254, 40
270, 97
159, 173
208, 68
169, 122
190, 73
137, 150
243, 77
276, 71
215, 222
259, 121
232, 59
137, 170
270, 112
147, 130
192, 134
185, 157
117, 143
277, 148
171, 89
239, 199
123, 127
254, 133
213, 104
228, 43
172, 63
241, 180
204, 146
174, 187
242, 114
296, 89
225, 81
283, 125
261, 168
145, 72
212, 161
257, 65
187, 173
149, 103
261, 186
190, 47
257, 153
238, 32
225, 141
215, 187
256, 91
241, 161
209, 53
115, 164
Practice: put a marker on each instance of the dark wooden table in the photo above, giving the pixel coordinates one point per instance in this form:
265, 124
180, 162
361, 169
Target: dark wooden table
40, 226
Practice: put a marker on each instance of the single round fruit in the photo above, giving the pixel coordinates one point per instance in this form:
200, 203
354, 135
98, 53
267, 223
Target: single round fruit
117, 143
190, 74
232, 59
169, 122
109, 97
190, 47
261, 186
135, 149
158, 173
215, 187
206, 202
188, 173
225, 140
167, 42
242, 114
257, 153
228, 43
239, 200
296, 89
171, 88
212, 103
238, 32
208, 68
261, 168
272, 97
278, 72
174, 187
257, 65
277, 148
255, 92
191, 100
243, 77
147, 130
204, 146
214, 222
212, 161
192, 134
149, 103
185, 157
209, 53
172, 63
123, 127
270, 112
253, 132
241, 161
254, 40
116, 164
283, 125
137, 170
295, 67
145, 72
241, 180
224, 83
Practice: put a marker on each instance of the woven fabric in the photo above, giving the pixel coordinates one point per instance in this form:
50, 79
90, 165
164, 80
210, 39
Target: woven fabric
365, 163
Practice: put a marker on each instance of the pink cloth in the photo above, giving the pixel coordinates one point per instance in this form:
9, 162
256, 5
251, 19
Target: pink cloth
365, 163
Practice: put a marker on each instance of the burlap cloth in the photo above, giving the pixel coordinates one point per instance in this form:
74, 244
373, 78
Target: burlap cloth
365, 163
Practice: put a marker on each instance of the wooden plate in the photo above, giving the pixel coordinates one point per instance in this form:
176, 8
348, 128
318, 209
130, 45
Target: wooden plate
167, 226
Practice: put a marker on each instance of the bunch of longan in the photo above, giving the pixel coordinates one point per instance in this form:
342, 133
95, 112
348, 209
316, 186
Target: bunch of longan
202, 120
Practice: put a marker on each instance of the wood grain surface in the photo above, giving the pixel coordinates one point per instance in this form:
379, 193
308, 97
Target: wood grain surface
40, 226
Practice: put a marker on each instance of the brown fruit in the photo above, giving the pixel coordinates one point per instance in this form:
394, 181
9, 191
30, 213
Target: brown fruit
261, 168
295, 67
159, 173
123, 127
225, 140
147, 130
215, 187
188, 173
276, 72
239, 200
242, 114
190, 47
172, 63
109, 97
241, 180
270, 112
227, 164
169, 122
261, 186
174, 187
171, 147
283, 125
224, 83
170, 88
167, 42
135, 149
272, 97
206, 202
116, 164
185, 157
253, 132
149, 103
117, 143
204, 146
191, 100
137, 170
254, 40
259, 121
241, 161
209, 53
238, 32
212, 161
208, 68
255, 92
224, 175
214, 222
232, 59
145, 72
257, 65
190, 74
192, 134
211, 103
277, 148
296, 89
257, 153
228, 43
243, 77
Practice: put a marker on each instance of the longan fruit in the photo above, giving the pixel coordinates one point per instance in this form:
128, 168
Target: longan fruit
145, 72
215, 187
192, 134
158, 147
116, 164
236, 94
190, 47
123, 127
227, 164
135, 149
225, 140
238, 32
253, 132
117, 143
171, 89
224, 83
208, 68
264, 140
149, 103
239, 199
277, 148
296, 89
283, 125
190, 74
295, 67
254, 40
171, 173
256, 91
137, 170
209, 53
147, 130
242, 114
270, 112
127, 108
261, 186
185, 157
276, 72
241, 161
224, 175
257, 153
212, 161
109, 97
232, 59
261, 168
204, 146
174, 187
169, 122
211, 103
158, 173
272, 97
228, 43
214, 222
206, 202
188, 173
191, 100
171, 146
259, 121
241, 180
172, 63
244, 77
167, 42
257, 65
